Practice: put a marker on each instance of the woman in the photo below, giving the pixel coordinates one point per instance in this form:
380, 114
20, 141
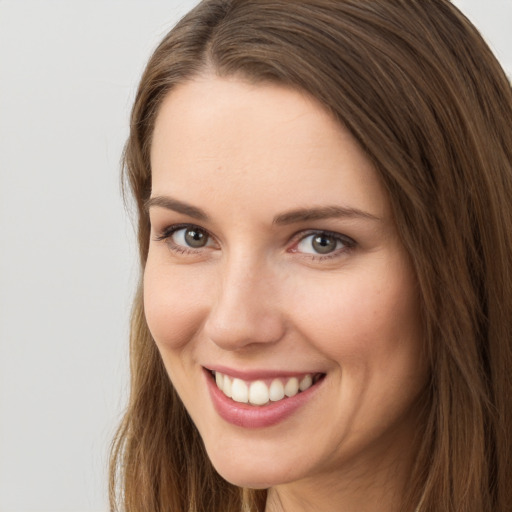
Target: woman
324, 323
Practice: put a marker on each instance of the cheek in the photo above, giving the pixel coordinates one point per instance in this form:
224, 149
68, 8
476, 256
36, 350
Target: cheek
174, 305
364, 320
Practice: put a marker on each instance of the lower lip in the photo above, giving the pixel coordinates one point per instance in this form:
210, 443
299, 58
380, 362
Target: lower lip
254, 416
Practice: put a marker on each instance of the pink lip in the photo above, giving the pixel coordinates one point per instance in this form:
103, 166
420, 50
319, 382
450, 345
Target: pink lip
250, 416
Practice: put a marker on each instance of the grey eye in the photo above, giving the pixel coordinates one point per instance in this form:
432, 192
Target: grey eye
321, 243
195, 238
191, 237
324, 244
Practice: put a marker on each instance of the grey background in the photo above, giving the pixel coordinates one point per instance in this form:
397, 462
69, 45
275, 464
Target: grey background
68, 71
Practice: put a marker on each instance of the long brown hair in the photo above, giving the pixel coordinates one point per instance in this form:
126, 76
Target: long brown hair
422, 93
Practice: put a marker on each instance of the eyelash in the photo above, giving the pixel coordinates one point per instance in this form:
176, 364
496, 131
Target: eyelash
167, 233
349, 243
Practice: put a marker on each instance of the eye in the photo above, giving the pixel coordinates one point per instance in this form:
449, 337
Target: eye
185, 238
323, 243
192, 237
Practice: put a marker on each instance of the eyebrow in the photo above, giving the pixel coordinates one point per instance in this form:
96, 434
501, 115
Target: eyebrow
170, 203
290, 217
322, 212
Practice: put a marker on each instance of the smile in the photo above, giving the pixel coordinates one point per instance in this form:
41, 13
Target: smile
260, 399
263, 391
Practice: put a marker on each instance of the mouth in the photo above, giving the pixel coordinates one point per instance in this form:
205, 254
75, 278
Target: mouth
264, 392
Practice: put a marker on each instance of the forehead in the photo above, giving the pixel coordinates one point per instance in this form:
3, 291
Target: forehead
226, 136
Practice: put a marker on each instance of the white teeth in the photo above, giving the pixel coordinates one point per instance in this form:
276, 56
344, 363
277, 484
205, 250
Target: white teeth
292, 387
306, 383
226, 386
239, 391
219, 379
258, 392
276, 391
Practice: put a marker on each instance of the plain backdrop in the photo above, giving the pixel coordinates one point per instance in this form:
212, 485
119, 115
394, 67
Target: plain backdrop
68, 72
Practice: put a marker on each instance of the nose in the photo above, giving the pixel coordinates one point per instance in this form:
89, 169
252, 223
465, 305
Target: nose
246, 310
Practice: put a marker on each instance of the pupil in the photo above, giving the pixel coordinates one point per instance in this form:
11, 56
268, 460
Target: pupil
195, 238
324, 244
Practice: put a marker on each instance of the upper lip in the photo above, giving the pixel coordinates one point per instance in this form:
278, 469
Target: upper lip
255, 374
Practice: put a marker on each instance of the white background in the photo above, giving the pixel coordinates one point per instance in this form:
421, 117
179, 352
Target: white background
68, 71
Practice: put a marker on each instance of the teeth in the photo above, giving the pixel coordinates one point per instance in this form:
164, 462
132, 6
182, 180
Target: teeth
226, 386
306, 382
239, 391
258, 392
219, 379
292, 387
276, 390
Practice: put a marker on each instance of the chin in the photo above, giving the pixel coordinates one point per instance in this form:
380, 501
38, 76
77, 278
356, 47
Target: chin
259, 475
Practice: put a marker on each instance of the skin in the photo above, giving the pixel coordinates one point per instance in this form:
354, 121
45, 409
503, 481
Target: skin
258, 296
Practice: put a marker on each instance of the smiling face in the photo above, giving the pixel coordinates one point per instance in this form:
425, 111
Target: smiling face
274, 268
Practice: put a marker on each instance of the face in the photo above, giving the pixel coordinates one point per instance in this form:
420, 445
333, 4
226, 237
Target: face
280, 298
